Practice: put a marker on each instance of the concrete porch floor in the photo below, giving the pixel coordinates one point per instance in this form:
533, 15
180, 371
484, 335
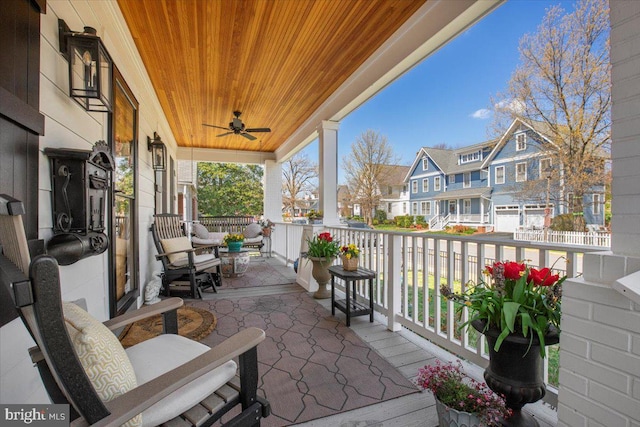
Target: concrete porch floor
404, 350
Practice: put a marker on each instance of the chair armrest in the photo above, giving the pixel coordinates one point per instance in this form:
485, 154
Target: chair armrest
144, 312
130, 404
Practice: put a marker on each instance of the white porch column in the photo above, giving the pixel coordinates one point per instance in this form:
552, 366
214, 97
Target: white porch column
328, 177
273, 190
600, 340
481, 210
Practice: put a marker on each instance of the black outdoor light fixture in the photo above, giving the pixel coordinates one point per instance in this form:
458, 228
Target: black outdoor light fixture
90, 67
158, 152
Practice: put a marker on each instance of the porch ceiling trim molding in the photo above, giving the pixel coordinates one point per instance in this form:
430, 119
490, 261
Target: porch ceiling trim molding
432, 26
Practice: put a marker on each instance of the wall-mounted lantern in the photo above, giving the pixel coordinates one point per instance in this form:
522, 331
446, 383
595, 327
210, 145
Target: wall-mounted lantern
90, 67
158, 152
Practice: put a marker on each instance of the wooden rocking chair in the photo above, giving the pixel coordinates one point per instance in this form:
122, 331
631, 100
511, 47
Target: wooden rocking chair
180, 260
175, 381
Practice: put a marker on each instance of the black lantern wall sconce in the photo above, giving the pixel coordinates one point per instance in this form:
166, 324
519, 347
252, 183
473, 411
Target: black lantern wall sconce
158, 152
90, 67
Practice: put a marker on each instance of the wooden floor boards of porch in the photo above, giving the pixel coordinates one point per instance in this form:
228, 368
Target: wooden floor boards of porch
404, 350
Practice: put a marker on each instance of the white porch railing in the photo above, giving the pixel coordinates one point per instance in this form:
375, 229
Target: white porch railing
599, 239
412, 266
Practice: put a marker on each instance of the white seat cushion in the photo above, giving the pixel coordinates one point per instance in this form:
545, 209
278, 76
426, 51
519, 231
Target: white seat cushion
104, 360
163, 353
200, 261
214, 238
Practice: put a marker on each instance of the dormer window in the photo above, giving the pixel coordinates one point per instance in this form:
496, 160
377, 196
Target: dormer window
425, 164
521, 141
470, 157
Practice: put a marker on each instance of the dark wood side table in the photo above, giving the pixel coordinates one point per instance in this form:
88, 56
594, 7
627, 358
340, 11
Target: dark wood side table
350, 306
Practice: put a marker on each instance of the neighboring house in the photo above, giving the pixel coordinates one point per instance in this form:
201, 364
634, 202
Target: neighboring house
486, 184
394, 191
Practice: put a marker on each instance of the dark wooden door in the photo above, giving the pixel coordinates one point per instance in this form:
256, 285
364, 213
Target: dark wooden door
21, 123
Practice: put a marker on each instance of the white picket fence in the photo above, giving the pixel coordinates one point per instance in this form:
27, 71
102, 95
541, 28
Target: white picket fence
595, 238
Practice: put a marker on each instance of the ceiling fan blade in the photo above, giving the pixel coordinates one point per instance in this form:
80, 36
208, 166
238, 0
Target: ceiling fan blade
249, 137
214, 126
258, 130
225, 134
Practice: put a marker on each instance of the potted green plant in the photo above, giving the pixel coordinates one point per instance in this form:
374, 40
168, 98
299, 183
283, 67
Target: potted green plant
518, 311
322, 250
461, 400
234, 241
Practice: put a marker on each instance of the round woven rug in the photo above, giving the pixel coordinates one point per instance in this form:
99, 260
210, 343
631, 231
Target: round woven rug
193, 322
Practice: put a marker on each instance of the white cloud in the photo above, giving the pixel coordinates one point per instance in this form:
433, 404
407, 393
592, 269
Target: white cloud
481, 114
513, 105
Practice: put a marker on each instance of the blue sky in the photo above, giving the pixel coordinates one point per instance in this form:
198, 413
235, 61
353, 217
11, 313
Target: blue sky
442, 99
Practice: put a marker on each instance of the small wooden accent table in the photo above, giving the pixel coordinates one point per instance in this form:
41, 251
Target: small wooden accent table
350, 306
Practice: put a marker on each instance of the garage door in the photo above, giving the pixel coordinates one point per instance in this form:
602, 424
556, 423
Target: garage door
507, 219
534, 218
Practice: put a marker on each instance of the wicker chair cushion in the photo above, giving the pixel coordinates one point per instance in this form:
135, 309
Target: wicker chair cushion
101, 355
161, 354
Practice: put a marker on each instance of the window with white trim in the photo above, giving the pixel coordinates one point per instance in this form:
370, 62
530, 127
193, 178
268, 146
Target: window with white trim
423, 207
499, 174
425, 164
597, 204
427, 208
414, 208
470, 157
425, 185
466, 207
389, 207
466, 183
414, 186
521, 141
545, 167
404, 207
436, 183
521, 172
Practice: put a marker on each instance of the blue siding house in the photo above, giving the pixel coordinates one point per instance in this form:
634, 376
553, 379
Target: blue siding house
500, 185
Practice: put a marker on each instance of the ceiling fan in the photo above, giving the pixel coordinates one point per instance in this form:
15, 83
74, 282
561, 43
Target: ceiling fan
237, 127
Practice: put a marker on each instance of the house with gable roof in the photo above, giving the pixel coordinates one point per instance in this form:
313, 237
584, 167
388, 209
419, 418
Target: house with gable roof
489, 184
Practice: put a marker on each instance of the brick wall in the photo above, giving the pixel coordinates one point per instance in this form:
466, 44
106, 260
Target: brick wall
600, 341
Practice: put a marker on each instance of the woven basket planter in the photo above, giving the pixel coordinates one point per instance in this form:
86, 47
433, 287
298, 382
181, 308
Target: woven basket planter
350, 264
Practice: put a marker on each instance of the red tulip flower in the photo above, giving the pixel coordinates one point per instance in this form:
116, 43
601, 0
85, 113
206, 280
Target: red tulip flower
542, 277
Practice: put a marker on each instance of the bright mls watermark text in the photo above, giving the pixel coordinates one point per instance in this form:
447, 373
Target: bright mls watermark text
34, 415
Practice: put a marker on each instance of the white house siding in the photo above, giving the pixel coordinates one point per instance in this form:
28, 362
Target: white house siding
600, 341
67, 125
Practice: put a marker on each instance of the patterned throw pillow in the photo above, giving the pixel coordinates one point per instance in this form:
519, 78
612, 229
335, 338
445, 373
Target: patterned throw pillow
174, 245
101, 355
200, 231
252, 230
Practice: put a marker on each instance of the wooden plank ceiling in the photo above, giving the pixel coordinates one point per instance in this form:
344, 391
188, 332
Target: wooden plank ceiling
276, 61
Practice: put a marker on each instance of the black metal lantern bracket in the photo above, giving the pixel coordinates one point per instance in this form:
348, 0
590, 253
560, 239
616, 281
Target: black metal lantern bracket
158, 152
90, 67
